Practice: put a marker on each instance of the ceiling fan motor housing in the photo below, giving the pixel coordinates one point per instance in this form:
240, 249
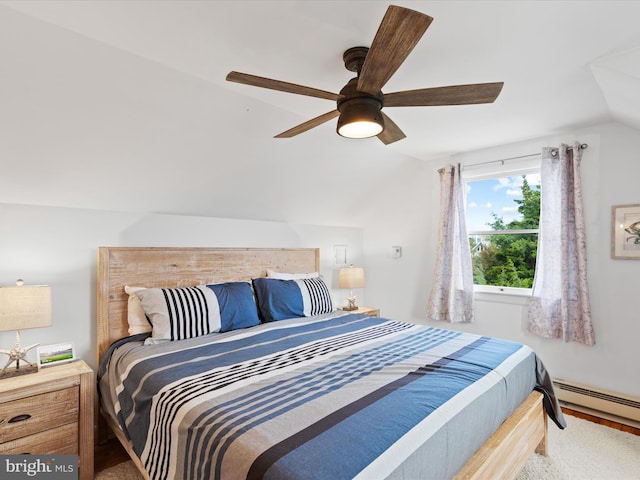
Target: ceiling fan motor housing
354, 105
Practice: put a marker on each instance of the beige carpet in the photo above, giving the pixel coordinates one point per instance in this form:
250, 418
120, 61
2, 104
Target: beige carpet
584, 451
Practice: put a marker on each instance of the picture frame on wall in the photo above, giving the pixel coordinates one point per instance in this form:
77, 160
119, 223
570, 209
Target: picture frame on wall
55, 354
625, 232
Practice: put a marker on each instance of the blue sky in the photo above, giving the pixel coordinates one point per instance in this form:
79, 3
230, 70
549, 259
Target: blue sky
495, 195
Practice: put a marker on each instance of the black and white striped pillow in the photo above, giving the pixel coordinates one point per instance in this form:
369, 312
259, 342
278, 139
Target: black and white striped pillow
179, 313
316, 296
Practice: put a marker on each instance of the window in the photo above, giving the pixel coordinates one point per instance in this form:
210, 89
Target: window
503, 212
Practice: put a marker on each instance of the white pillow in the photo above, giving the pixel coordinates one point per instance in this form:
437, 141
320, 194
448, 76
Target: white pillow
136, 317
291, 276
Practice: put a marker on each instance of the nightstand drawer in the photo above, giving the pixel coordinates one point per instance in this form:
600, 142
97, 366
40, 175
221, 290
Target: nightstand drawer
29, 415
61, 440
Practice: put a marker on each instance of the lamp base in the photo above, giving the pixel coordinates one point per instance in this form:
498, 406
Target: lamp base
18, 355
15, 372
351, 303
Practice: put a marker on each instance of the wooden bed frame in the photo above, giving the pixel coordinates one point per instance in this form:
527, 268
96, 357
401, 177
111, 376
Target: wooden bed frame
502, 456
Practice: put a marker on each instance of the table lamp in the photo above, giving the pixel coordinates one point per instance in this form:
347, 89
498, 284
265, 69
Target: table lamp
351, 277
23, 306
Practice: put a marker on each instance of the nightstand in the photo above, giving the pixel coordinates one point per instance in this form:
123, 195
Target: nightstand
50, 412
372, 312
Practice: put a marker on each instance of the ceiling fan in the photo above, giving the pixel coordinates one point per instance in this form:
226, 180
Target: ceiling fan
359, 104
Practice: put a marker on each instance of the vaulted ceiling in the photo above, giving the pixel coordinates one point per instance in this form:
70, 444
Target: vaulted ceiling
123, 105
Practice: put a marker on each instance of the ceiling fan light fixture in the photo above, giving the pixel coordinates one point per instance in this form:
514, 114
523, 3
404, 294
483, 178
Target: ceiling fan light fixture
360, 118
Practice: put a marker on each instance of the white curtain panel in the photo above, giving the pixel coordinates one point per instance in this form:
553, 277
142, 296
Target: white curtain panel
451, 297
559, 305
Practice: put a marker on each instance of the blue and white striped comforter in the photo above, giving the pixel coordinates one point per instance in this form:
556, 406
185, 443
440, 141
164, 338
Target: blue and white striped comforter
329, 397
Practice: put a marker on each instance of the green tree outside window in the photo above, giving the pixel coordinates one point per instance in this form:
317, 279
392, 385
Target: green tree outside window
509, 259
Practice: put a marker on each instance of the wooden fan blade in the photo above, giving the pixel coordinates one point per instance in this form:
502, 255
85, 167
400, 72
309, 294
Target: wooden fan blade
452, 95
271, 84
391, 132
399, 31
308, 125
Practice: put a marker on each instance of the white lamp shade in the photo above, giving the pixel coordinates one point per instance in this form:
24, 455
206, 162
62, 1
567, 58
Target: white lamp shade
351, 277
25, 307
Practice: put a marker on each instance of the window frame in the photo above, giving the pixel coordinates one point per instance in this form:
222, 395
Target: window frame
495, 170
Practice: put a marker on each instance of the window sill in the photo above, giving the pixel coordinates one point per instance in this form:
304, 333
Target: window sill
514, 296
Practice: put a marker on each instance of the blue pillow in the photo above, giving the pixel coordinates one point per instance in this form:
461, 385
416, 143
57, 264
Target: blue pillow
236, 304
281, 299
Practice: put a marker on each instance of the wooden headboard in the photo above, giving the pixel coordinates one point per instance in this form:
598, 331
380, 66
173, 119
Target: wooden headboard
181, 267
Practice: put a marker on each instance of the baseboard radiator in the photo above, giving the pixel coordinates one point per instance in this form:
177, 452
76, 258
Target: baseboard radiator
598, 400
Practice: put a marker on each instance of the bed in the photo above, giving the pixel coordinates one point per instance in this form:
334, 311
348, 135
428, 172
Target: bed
326, 395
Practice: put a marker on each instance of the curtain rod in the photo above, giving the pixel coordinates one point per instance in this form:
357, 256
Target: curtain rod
554, 152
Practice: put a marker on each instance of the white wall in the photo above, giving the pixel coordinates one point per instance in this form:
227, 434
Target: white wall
406, 214
58, 247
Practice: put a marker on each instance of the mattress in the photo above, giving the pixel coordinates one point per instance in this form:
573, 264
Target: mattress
335, 396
